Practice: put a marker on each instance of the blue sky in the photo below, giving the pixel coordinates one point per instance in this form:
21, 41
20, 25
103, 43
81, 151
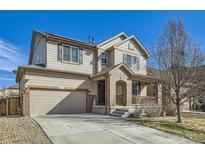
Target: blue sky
16, 29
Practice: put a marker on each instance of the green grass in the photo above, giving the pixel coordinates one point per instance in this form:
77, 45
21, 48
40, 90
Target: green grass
191, 128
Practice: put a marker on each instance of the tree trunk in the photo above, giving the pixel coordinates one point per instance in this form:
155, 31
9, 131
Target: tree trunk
179, 120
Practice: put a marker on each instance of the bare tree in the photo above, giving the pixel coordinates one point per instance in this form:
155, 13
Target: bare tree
178, 60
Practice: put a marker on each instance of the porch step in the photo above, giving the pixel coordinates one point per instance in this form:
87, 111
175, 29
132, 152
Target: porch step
122, 110
119, 112
116, 114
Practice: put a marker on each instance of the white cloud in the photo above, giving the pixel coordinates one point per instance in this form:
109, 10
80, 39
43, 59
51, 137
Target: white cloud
10, 79
10, 56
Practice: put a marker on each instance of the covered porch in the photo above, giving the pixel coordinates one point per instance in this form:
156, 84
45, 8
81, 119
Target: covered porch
120, 88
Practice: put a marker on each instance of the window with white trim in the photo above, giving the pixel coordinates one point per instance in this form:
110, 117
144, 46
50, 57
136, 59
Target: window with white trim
70, 54
103, 58
132, 62
75, 55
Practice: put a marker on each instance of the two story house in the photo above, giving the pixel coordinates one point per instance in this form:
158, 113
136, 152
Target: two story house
69, 76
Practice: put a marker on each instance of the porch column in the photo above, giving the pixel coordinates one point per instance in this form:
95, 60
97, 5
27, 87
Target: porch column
159, 94
112, 90
129, 92
107, 94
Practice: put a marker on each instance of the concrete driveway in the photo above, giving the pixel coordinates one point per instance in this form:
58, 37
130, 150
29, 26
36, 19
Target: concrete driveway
100, 129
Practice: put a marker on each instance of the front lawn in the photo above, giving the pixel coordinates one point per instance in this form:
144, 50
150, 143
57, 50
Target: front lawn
192, 128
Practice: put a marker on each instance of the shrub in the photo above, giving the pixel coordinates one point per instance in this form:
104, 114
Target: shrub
152, 110
170, 109
136, 113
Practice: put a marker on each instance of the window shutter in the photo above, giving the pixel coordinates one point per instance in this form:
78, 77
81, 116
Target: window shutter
108, 60
138, 63
125, 58
81, 56
59, 52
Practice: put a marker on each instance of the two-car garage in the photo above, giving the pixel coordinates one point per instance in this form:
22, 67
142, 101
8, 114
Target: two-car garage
48, 101
51, 91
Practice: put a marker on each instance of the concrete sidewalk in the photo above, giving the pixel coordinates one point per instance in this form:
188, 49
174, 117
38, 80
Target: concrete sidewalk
101, 129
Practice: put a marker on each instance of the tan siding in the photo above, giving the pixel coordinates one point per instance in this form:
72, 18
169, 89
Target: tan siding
25, 103
61, 81
116, 57
87, 66
130, 45
111, 58
110, 63
21, 84
24, 94
111, 43
110, 54
100, 67
119, 59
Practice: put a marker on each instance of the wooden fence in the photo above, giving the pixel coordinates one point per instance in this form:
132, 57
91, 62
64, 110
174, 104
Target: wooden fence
10, 105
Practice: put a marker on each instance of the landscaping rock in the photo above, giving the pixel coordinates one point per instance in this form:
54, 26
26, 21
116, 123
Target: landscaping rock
21, 130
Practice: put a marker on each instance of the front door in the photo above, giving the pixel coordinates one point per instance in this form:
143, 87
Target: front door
101, 92
121, 93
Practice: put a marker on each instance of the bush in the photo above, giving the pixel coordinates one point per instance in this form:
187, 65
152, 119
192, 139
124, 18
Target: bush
170, 109
152, 110
136, 114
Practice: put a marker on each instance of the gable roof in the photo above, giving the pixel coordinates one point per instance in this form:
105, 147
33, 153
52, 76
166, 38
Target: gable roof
62, 38
122, 34
57, 38
139, 44
110, 69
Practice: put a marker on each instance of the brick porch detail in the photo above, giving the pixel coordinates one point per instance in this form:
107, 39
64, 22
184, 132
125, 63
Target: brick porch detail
110, 86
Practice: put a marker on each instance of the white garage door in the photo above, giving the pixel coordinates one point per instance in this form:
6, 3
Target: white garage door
57, 102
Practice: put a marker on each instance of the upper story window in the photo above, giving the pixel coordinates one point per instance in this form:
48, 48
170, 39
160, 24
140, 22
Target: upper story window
66, 53
132, 62
104, 58
75, 55
69, 53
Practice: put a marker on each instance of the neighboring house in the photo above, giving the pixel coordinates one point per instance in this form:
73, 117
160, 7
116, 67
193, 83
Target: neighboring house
191, 104
195, 103
10, 91
69, 76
